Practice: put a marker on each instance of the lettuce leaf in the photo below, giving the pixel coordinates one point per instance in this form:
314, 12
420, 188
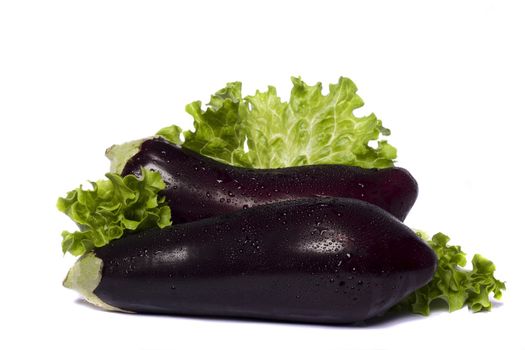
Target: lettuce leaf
454, 284
311, 128
111, 208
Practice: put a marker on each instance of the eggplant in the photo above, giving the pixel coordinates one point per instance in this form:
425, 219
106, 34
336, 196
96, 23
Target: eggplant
199, 187
315, 260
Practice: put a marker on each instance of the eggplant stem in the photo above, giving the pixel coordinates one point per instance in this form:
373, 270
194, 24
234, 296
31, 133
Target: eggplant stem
84, 277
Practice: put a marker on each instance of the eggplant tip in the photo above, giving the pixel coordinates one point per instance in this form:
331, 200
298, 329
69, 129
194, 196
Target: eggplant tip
120, 154
84, 277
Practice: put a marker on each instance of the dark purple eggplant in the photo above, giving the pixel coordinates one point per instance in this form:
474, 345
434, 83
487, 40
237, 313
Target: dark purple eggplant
319, 260
199, 187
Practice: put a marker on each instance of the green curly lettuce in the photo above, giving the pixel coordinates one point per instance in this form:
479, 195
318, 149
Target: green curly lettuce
311, 128
111, 208
454, 284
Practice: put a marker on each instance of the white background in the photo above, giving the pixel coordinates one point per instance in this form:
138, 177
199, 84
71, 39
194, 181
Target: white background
447, 78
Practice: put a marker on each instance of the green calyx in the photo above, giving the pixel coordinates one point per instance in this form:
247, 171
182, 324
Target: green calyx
84, 277
120, 154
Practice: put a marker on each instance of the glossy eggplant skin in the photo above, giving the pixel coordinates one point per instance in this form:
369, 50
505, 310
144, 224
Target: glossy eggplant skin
199, 187
316, 260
